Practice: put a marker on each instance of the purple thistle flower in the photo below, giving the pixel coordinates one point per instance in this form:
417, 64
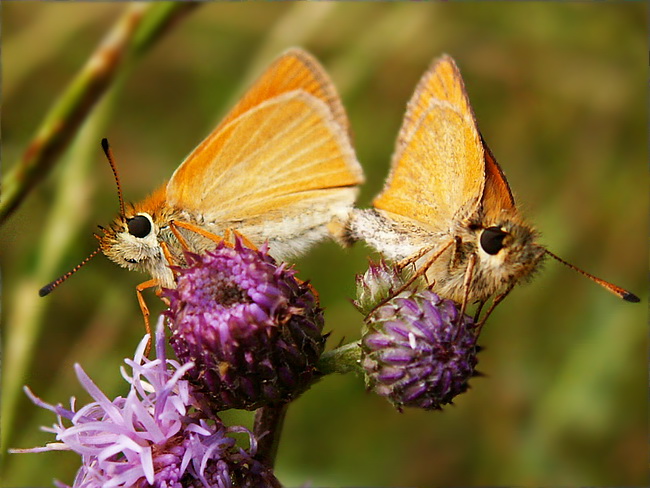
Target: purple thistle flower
152, 437
416, 352
251, 329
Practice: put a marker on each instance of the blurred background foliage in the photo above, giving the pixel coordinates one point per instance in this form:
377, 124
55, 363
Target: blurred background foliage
560, 92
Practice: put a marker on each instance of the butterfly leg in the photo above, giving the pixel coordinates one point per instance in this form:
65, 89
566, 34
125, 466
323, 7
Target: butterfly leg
424, 268
498, 299
197, 230
467, 283
173, 226
419, 272
457, 253
167, 253
144, 309
244, 239
477, 314
412, 259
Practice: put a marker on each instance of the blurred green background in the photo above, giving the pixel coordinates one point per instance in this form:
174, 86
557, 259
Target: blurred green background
560, 92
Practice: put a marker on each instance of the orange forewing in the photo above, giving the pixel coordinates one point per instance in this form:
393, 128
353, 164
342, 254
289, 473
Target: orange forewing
442, 83
295, 70
289, 144
438, 168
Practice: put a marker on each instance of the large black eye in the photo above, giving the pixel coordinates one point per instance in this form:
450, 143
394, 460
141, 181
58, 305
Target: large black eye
492, 240
139, 226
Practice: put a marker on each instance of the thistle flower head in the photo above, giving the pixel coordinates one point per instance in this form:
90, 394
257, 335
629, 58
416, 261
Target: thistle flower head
151, 437
251, 329
416, 352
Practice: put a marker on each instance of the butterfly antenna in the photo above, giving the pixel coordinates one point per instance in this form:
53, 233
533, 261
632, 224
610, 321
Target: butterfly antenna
111, 161
47, 289
616, 290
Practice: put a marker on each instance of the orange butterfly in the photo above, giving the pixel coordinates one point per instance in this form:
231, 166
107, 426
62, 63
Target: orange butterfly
279, 168
446, 206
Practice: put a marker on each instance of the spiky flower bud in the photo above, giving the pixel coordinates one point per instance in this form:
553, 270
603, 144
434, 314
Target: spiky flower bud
253, 331
416, 351
380, 282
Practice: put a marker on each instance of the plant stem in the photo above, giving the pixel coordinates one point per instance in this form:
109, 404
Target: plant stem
268, 429
270, 419
136, 30
344, 359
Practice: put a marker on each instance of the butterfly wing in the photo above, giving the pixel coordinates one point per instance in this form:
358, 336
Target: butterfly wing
278, 168
497, 196
294, 70
438, 168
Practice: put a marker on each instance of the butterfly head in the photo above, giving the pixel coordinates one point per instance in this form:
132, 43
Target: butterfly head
508, 248
131, 241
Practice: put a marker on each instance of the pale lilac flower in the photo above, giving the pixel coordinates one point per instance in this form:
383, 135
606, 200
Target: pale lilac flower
152, 437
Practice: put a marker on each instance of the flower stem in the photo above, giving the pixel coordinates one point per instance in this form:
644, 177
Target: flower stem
344, 359
136, 31
267, 430
269, 420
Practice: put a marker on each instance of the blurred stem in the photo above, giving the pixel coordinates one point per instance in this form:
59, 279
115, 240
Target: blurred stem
344, 359
297, 26
100, 76
270, 419
59, 232
135, 31
267, 429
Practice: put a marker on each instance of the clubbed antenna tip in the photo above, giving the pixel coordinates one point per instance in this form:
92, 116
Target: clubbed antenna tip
47, 289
